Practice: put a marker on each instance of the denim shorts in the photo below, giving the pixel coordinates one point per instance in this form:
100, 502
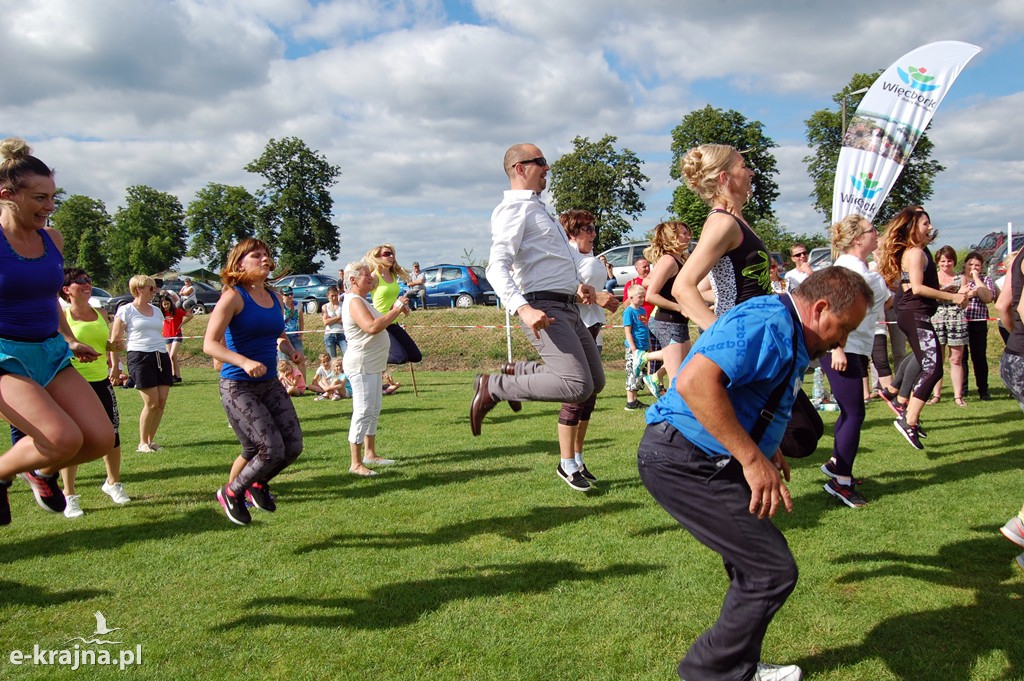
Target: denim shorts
38, 360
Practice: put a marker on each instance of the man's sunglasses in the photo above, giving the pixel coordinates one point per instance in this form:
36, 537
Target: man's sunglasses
801, 254
540, 160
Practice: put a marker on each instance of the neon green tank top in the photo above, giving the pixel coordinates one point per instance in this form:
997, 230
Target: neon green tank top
94, 334
385, 295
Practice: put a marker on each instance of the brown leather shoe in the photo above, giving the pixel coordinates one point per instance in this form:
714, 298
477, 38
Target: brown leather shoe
481, 404
508, 368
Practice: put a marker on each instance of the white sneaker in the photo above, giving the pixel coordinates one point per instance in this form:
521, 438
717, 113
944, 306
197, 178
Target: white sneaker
71, 508
115, 491
774, 672
145, 449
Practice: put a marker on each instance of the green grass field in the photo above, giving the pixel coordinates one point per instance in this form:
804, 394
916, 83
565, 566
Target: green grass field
471, 560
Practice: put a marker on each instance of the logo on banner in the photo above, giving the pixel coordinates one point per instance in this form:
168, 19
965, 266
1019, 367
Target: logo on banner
917, 78
865, 185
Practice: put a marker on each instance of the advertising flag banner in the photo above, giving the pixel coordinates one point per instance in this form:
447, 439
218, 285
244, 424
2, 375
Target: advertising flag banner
888, 123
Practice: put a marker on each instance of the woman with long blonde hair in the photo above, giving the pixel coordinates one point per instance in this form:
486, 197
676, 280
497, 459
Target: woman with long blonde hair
386, 272
908, 266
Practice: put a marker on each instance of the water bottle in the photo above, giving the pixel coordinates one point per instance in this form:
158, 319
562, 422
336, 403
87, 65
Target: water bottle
818, 395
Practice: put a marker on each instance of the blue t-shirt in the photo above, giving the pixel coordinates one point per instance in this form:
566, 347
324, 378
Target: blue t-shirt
636, 319
253, 333
753, 345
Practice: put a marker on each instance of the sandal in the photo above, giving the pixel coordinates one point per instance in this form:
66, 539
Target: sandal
934, 400
959, 401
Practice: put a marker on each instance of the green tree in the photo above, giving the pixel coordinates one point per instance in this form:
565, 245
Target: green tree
825, 137
219, 217
296, 203
84, 223
148, 234
596, 177
715, 126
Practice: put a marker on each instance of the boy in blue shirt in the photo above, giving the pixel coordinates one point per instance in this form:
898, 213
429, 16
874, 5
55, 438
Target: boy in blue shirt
638, 340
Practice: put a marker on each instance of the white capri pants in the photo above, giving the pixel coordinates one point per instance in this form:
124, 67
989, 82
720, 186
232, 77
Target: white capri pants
366, 404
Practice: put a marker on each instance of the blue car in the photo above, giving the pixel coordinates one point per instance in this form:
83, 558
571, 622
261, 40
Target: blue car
455, 286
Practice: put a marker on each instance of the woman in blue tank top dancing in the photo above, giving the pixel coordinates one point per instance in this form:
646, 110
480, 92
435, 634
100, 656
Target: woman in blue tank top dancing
40, 393
245, 332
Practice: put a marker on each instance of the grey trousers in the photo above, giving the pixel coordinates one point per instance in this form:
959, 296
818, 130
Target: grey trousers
571, 370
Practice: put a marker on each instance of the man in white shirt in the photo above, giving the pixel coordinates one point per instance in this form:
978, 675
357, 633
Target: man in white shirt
533, 269
801, 267
417, 285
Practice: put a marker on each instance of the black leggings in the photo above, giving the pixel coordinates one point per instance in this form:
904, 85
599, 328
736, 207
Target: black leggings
977, 348
403, 348
925, 344
880, 355
263, 417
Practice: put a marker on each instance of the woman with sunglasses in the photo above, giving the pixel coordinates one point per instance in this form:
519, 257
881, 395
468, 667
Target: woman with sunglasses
386, 272
149, 364
40, 393
908, 264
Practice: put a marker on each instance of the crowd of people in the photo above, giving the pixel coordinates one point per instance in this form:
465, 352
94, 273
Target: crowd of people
717, 438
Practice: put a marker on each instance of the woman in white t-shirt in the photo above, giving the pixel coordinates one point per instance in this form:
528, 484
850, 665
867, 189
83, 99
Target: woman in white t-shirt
365, 360
334, 330
149, 365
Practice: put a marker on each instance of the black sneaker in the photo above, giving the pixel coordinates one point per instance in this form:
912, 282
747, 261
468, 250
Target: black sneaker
48, 495
233, 507
634, 405
259, 496
846, 494
5, 504
587, 474
576, 480
984, 396
908, 431
829, 469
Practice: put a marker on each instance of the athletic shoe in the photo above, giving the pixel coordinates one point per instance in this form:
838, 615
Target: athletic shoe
155, 447
892, 402
909, 432
652, 386
143, 448
233, 507
1020, 561
259, 496
587, 474
48, 495
378, 462
634, 405
829, 469
984, 396
72, 509
576, 480
774, 672
5, 504
1014, 530
639, 362
846, 494
319, 398
115, 491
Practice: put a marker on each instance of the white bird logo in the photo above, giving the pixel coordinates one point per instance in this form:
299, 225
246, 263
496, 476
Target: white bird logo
101, 625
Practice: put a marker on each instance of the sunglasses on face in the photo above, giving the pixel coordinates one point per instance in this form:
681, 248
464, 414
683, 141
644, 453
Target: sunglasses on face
81, 281
540, 160
801, 254
588, 229
387, 254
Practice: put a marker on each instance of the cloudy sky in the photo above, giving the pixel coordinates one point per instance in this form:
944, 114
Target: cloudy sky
417, 100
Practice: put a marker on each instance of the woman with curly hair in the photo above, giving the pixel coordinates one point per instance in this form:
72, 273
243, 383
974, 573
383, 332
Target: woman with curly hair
386, 272
245, 333
908, 264
667, 253
41, 394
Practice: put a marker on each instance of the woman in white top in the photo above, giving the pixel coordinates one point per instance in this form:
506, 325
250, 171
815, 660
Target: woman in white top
574, 418
365, 360
846, 367
149, 365
334, 330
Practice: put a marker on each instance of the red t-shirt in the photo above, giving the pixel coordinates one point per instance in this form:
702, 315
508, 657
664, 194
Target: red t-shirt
648, 307
172, 323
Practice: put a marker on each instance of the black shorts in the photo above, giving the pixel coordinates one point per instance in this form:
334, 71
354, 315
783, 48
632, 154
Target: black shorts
149, 369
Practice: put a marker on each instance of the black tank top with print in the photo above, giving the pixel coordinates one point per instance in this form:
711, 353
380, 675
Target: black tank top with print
1015, 343
742, 273
663, 315
911, 302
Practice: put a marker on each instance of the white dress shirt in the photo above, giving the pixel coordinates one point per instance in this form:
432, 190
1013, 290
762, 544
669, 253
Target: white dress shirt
529, 250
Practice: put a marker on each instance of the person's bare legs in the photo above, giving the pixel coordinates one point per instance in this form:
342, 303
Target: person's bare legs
356, 465
67, 476
172, 352
153, 402
956, 370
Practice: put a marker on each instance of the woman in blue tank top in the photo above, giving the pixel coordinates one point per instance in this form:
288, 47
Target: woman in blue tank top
245, 332
63, 422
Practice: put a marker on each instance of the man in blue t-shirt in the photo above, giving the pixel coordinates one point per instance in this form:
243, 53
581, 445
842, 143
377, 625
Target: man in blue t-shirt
699, 462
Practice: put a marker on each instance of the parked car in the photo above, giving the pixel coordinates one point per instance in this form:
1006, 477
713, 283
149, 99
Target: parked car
455, 286
995, 267
820, 258
989, 244
201, 302
621, 259
98, 299
310, 290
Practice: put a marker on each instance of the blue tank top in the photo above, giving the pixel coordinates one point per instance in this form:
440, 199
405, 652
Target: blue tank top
253, 333
28, 290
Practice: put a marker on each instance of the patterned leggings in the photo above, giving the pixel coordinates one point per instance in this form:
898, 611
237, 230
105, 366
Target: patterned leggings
1011, 370
925, 344
265, 422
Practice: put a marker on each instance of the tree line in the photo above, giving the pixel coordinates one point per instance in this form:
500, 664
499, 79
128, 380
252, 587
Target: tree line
152, 231
292, 210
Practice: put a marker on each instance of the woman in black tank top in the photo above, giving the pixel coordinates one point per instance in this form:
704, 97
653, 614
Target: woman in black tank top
908, 264
667, 252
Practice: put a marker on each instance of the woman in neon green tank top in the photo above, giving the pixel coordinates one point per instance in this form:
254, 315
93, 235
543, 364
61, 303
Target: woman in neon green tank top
386, 273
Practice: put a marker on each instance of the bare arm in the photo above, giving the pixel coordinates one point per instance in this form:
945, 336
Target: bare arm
665, 269
374, 325
721, 234
914, 263
1004, 302
230, 304
702, 385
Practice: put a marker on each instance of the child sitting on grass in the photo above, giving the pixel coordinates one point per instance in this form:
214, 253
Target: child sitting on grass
336, 385
389, 386
638, 343
291, 378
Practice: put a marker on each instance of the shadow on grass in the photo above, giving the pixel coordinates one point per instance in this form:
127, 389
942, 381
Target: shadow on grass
965, 634
179, 472
403, 603
14, 593
357, 487
515, 527
524, 448
106, 538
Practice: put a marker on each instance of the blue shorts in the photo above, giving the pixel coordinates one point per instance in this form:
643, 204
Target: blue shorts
39, 360
296, 343
172, 339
